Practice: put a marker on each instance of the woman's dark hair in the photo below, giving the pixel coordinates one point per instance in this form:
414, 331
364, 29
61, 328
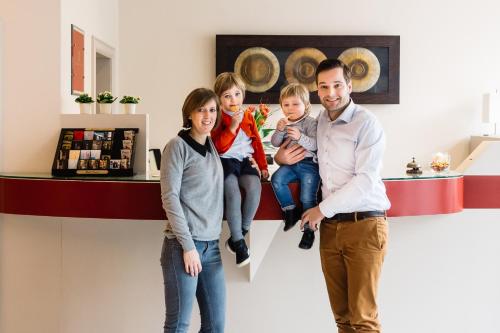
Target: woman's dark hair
195, 100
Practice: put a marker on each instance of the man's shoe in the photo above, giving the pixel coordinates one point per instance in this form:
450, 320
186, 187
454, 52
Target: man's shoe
242, 253
307, 240
230, 246
291, 217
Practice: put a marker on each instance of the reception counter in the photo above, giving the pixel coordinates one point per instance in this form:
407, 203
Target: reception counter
138, 197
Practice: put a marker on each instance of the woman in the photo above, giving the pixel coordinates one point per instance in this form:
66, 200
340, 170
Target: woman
192, 196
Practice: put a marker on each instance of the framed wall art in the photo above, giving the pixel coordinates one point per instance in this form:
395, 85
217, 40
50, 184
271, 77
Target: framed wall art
266, 63
77, 60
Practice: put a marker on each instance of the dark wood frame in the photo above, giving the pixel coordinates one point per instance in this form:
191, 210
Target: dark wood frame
226, 43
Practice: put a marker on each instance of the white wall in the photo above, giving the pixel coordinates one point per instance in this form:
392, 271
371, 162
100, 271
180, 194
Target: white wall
31, 82
79, 275
97, 18
30, 274
1, 92
449, 58
31, 105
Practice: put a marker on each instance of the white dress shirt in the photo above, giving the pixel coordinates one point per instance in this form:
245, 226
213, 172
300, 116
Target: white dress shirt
350, 152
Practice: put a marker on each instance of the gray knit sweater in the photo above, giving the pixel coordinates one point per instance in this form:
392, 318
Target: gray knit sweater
192, 191
307, 127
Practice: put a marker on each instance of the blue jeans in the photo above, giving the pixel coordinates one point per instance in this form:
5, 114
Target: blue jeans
209, 287
307, 173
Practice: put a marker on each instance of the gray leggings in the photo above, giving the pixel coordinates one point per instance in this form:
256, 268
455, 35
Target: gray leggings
240, 216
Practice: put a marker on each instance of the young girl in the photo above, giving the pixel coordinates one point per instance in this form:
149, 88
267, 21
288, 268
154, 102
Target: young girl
237, 140
301, 128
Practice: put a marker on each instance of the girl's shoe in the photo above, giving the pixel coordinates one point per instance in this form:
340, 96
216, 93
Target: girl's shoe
242, 253
230, 244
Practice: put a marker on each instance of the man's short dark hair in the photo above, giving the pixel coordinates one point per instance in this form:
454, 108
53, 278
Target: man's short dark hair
331, 63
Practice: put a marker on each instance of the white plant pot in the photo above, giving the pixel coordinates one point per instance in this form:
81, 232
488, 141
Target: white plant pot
85, 108
105, 108
129, 108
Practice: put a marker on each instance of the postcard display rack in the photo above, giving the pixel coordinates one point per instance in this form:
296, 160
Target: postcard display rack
95, 152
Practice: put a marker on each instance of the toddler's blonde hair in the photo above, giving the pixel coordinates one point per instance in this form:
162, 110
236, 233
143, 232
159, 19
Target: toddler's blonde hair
299, 90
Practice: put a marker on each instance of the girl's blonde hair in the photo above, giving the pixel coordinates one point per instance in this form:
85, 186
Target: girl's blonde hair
227, 80
299, 90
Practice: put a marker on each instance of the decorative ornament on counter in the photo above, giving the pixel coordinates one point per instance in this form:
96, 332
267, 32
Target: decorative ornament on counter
413, 168
440, 162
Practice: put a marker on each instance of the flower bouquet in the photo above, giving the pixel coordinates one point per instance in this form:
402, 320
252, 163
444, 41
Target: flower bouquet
260, 115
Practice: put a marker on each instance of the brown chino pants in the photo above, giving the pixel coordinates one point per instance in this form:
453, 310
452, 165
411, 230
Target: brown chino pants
352, 254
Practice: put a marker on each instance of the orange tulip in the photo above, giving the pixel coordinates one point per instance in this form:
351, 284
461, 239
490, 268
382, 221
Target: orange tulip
264, 109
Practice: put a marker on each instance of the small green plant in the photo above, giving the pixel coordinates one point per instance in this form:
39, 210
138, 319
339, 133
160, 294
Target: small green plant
130, 100
105, 97
84, 98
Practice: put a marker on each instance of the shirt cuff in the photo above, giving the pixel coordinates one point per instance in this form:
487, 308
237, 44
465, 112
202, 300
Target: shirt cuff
187, 244
324, 210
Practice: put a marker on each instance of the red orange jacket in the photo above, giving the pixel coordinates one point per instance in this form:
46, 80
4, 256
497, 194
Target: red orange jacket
223, 138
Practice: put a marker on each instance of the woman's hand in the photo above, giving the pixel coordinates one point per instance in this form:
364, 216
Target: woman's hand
281, 125
293, 132
288, 156
192, 263
264, 174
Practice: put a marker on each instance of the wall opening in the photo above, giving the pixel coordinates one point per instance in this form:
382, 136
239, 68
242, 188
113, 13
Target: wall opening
103, 67
103, 73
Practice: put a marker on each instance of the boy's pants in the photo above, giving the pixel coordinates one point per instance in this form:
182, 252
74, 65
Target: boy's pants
307, 173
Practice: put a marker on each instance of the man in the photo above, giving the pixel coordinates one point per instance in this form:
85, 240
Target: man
353, 234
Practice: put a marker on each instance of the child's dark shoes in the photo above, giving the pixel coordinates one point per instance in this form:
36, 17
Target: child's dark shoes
307, 240
242, 253
291, 217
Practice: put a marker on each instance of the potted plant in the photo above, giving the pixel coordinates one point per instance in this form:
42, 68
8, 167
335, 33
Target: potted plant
85, 102
105, 99
129, 103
